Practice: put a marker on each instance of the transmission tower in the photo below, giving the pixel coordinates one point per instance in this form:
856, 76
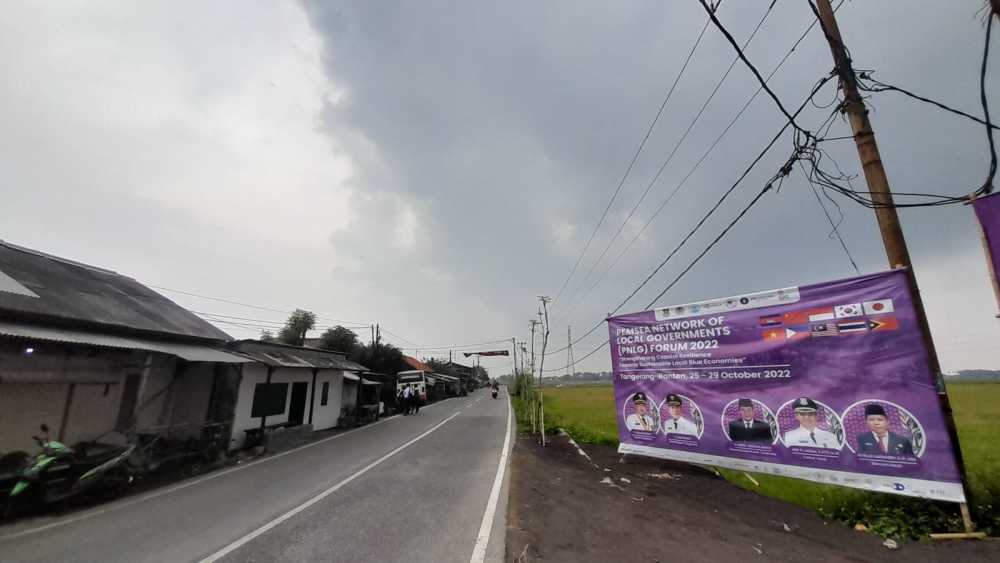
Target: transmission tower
570, 362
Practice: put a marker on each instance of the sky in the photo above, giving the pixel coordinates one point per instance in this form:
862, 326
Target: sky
434, 167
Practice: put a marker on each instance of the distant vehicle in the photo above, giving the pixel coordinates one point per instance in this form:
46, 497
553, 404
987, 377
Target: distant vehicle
416, 379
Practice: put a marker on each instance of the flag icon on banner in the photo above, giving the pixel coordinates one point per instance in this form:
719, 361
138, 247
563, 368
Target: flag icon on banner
773, 334
796, 317
879, 307
824, 329
820, 315
853, 326
806, 316
844, 311
770, 320
884, 323
795, 334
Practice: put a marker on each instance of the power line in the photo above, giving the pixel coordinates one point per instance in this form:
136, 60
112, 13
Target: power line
707, 152
457, 346
837, 183
701, 255
718, 203
387, 331
269, 321
869, 84
249, 305
673, 152
635, 157
749, 65
834, 226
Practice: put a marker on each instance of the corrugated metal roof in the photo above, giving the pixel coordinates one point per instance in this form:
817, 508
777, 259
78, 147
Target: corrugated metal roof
63, 289
280, 355
189, 352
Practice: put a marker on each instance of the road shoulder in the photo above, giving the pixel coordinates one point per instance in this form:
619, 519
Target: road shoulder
654, 510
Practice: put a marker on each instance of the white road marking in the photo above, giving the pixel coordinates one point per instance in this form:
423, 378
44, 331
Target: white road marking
183, 485
249, 537
486, 526
431, 406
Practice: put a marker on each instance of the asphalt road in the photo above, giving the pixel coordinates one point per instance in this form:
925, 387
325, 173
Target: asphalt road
413, 488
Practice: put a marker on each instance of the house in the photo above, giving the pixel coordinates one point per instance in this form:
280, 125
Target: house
292, 386
464, 373
92, 353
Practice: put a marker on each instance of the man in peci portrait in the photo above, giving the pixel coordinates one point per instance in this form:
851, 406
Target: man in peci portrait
747, 428
879, 439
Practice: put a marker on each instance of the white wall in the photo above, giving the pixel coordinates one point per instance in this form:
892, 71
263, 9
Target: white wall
326, 417
252, 375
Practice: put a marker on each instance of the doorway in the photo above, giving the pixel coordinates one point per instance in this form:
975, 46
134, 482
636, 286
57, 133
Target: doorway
297, 405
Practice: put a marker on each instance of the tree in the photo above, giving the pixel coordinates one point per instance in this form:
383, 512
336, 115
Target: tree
383, 358
298, 324
339, 339
266, 336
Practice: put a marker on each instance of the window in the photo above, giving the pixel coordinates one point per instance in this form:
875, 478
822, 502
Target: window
325, 395
269, 399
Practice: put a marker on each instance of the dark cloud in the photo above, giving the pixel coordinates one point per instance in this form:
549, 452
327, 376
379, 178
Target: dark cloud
503, 126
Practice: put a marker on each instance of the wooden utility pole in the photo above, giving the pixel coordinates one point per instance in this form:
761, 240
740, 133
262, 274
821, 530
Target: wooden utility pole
885, 211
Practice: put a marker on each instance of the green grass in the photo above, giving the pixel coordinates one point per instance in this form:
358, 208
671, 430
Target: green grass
588, 413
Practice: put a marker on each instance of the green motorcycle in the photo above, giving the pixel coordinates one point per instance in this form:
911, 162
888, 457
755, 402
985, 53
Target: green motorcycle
59, 472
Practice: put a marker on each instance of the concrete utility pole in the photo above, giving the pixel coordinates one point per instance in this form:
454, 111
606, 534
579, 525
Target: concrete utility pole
531, 396
570, 361
533, 323
513, 342
885, 211
541, 367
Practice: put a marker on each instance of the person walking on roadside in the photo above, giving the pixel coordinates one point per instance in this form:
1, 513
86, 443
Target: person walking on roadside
407, 400
401, 401
416, 400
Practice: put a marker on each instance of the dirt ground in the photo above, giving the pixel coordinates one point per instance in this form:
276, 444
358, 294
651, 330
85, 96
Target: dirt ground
560, 510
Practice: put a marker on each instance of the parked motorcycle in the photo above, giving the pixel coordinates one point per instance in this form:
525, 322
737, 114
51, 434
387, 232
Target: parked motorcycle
59, 472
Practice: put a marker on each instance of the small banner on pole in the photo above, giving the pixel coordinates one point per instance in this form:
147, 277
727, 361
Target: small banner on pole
988, 212
827, 382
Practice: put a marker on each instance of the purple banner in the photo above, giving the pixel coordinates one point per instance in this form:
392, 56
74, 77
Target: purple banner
988, 212
826, 382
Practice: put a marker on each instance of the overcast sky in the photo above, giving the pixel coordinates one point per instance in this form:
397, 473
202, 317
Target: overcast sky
435, 166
